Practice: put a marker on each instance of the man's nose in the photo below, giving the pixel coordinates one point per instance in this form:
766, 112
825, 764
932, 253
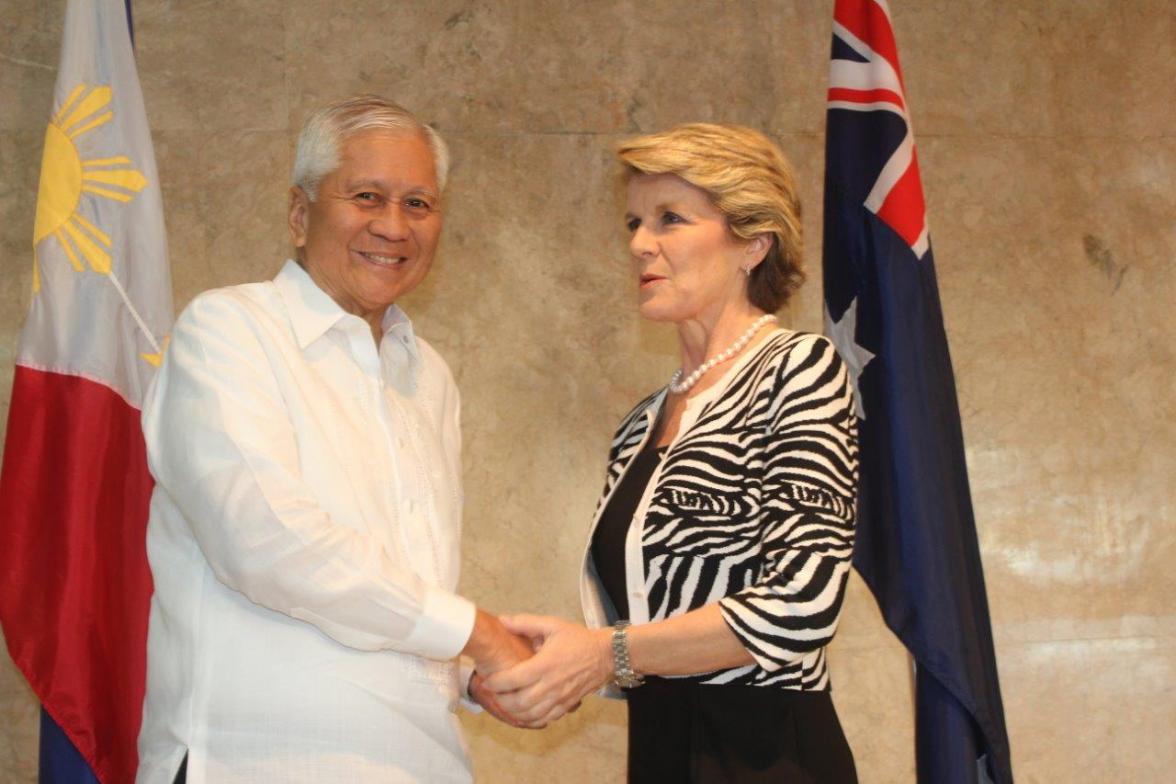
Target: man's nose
391, 223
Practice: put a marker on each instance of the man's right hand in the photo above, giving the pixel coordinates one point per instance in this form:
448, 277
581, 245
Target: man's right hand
493, 648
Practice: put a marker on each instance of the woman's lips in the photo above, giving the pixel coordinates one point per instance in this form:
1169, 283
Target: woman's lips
649, 280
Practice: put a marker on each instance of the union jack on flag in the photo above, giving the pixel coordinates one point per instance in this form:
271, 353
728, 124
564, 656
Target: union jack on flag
916, 545
865, 76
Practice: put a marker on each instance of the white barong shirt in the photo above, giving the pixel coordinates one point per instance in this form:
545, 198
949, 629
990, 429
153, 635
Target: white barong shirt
303, 540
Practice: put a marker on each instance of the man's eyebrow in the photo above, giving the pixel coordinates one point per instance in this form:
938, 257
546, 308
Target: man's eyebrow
365, 181
383, 185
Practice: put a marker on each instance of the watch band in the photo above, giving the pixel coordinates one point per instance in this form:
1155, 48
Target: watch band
623, 675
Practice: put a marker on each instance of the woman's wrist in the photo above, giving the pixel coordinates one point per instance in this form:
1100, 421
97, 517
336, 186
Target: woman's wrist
602, 645
624, 674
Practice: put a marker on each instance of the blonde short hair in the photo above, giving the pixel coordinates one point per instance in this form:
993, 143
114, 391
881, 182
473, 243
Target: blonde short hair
324, 133
748, 179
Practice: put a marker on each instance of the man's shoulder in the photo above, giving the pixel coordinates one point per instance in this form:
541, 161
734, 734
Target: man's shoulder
433, 363
231, 305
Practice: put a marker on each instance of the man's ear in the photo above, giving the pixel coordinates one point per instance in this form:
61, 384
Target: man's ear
299, 217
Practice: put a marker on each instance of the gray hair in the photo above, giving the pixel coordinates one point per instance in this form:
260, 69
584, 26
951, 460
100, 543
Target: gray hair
324, 133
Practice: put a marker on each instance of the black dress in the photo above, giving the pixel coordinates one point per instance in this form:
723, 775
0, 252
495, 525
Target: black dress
682, 731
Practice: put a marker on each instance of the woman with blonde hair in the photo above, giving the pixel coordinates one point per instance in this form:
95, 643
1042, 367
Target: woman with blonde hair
716, 564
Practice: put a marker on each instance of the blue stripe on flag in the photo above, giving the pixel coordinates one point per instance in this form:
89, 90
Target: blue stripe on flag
60, 762
130, 24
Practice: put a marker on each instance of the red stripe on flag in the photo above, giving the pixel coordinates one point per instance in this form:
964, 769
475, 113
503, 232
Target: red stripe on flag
74, 495
904, 209
870, 24
879, 95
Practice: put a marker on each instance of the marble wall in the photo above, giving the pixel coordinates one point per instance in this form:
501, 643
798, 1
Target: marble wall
1049, 166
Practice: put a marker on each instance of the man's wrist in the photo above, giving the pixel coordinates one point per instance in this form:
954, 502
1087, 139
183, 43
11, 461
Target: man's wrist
444, 626
481, 640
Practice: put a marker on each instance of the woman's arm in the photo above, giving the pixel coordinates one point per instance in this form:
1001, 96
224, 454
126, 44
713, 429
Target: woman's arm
698, 641
809, 508
573, 661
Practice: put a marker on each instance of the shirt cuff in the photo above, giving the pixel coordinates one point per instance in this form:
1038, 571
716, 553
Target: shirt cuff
465, 672
444, 626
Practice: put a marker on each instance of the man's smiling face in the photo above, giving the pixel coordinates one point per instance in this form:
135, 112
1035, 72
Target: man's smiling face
371, 233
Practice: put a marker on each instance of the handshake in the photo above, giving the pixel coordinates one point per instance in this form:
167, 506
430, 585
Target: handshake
530, 670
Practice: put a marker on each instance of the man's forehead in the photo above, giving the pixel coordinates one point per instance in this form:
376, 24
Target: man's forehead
387, 158
407, 140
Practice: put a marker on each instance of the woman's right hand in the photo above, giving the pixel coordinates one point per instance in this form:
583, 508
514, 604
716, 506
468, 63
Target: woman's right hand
572, 661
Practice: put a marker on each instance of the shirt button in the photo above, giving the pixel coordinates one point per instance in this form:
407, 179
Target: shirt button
400, 442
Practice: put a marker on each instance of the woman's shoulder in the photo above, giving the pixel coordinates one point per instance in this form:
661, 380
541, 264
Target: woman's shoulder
634, 422
786, 341
792, 348
794, 362
636, 412
786, 349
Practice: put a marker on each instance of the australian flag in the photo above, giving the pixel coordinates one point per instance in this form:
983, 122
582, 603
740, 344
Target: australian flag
916, 538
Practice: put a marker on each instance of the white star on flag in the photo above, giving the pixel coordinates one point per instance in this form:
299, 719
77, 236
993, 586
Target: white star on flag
842, 333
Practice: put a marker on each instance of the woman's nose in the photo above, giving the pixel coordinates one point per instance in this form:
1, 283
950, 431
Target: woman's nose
641, 243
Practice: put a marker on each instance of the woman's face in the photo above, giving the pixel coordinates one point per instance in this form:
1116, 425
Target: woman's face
687, 263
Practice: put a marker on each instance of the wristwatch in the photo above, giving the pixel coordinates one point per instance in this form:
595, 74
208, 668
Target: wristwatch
623, 675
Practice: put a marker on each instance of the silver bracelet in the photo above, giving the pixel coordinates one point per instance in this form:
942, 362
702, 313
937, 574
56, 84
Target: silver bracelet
623, 675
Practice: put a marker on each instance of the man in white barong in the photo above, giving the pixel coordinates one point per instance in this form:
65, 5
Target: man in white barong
305, 524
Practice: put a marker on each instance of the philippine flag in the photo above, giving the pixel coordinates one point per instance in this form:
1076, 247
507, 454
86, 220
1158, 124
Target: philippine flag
74, 489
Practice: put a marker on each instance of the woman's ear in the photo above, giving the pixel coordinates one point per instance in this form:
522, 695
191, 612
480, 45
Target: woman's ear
757, 249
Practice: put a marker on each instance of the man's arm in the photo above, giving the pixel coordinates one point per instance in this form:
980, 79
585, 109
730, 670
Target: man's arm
222, 445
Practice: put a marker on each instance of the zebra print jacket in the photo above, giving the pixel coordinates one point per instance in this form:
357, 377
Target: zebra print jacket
753, 507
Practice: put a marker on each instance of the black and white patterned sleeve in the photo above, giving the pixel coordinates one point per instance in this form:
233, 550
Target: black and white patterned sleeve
809, 504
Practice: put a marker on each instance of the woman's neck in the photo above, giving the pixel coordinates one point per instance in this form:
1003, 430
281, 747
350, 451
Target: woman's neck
701, 339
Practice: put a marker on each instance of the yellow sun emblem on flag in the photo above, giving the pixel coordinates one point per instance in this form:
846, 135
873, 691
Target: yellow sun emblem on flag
66, 175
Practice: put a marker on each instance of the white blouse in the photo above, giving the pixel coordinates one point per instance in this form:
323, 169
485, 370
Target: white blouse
303, 540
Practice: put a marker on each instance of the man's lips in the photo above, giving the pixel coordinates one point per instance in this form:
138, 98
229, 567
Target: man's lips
382, 259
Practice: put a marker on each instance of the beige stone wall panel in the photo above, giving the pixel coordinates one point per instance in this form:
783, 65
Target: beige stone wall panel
30, 39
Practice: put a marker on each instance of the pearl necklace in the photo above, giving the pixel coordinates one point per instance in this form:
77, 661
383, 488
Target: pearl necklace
679, 386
